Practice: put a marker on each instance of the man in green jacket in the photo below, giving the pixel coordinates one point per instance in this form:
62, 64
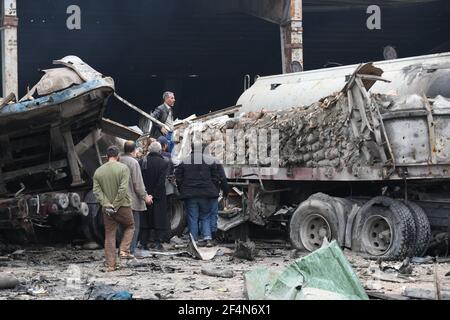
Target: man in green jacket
111, 190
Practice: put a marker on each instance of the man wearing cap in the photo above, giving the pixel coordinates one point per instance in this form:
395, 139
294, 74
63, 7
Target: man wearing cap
111, 190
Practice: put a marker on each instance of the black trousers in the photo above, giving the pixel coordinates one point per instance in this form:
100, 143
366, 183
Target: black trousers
155, 223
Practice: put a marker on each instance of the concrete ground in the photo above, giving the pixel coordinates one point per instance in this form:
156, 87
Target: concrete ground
73, 273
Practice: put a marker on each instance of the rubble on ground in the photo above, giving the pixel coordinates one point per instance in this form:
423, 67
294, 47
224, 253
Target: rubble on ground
67, 272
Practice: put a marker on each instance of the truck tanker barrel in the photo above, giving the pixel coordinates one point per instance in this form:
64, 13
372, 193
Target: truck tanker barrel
424, 75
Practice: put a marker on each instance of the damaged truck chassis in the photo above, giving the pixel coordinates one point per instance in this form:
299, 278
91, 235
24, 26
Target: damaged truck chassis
51, 146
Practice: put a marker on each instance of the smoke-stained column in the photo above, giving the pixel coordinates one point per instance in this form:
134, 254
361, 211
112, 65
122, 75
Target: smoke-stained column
292, 37
9, 47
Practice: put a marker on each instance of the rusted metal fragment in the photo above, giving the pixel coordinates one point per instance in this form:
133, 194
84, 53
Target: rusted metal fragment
8, 283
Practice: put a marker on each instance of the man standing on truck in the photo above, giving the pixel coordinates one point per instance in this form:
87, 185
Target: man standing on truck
164, 114
111, 190
139, 197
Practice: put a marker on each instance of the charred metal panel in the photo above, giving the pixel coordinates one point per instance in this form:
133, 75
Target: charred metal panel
419, 136
39, 134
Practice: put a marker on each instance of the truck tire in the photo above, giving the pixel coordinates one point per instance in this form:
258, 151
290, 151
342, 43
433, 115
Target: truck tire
385, 229
313, 220
342, 208
423, 230
177, 216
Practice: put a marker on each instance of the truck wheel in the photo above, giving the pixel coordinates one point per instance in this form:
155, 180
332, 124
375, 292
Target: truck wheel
177, 216
385, 229
314, 220
341, 208
423, 230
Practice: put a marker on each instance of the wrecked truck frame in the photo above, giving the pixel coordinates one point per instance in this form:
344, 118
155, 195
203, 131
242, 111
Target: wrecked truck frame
386, 196
51, 146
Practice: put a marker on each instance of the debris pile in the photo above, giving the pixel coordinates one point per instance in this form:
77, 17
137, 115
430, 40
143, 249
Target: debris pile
323, 275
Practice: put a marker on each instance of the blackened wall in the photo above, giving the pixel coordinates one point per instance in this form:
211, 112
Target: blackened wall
149, 46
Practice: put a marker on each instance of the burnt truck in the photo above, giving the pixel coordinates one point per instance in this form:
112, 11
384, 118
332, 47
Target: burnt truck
359, 154
51, 142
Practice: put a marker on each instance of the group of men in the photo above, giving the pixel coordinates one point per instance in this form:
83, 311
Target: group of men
134, 193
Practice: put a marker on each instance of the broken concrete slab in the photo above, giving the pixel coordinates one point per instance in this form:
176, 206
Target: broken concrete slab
8, 282
325, 270
216, 272
425, 294
245, 250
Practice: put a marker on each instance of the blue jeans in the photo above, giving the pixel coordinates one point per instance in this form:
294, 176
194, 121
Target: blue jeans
213, 216
171, 143
198, 214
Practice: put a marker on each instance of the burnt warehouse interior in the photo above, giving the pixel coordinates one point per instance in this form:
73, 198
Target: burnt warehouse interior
202, 50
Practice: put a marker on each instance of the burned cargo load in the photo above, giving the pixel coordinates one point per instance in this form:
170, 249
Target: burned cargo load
341, 134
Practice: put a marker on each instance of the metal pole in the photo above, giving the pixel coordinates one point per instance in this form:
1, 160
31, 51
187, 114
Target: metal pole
9, 47
292, 38
145, 114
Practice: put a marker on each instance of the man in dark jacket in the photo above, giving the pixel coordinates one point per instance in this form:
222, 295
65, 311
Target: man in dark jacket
164, 114
222, 184
154, 172
196, 179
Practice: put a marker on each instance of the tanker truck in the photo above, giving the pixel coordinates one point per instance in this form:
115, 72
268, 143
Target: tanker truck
358, 154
